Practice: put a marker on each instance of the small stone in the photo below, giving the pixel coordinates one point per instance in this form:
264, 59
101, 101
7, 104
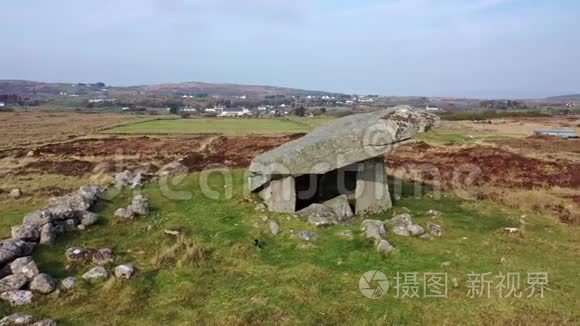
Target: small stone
321, 221
103, 256
415, 229
43, 283
25, 266
26, 232
446, 263
433, 212
88, 218
401, 219
345, 233
45, 322
70, 225
17, 297
97, 273
274, 227
124, 271
401, 230
307, 235
435, 229
16, 319
140, 205
81, 227
124, 213
48, 234
39, 217
13, 282
78, 254
374, 229
68, 283
425, 236
15, 193
260, 207
384, 246
512, 230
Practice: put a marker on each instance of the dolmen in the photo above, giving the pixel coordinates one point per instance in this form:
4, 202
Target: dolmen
338, 166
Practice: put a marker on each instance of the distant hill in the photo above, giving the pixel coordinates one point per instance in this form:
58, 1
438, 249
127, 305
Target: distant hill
574, 97
42, 89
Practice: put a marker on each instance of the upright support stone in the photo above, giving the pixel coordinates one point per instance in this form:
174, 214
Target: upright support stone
280, 195
372, 188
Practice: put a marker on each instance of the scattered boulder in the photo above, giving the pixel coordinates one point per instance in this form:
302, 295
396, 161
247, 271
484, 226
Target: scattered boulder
433, 212
341, 207
319, 215
13, 282
47, 234
123, 179
345, 233
374, 229
139, 205
15, 193
61, 212
435, 229
512, 230
260, 207
24, 266
274, 227
43, 283
26, 232
173, 168
87, 218
384, 246
68, 283
97, 273
103, 256
17, 297
124, 271
11, 249
415, 229
401, 230
124, 213
75, 201
70, 225
307, 235
16, 319
78, 254
38, 217
45, 322
401, 219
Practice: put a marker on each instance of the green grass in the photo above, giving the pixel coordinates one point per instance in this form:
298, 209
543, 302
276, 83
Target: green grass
215, 275
446, 137
228, 126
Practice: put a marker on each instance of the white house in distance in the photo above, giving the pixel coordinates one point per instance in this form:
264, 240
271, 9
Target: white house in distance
234, 112
2, 104
431, 108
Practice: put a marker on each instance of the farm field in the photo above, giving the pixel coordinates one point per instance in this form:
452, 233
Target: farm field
227, 126
29, 128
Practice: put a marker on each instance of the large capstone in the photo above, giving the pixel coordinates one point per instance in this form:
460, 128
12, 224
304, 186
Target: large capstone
343, 158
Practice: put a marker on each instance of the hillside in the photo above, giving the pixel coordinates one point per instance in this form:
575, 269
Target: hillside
574, 97
44, 89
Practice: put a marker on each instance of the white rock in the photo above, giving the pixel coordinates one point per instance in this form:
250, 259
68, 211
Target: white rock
17, 297
124, 271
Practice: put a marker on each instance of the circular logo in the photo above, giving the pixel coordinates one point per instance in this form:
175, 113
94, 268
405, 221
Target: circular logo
373, 284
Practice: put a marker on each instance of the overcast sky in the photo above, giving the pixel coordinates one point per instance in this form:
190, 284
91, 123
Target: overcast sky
472, 48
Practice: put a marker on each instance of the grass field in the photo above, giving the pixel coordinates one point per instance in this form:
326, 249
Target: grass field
215, 274
227, 126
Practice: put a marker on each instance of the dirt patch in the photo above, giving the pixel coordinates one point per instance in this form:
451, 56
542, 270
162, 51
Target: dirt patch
66, 167
486, 166
542, 144
79, 157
